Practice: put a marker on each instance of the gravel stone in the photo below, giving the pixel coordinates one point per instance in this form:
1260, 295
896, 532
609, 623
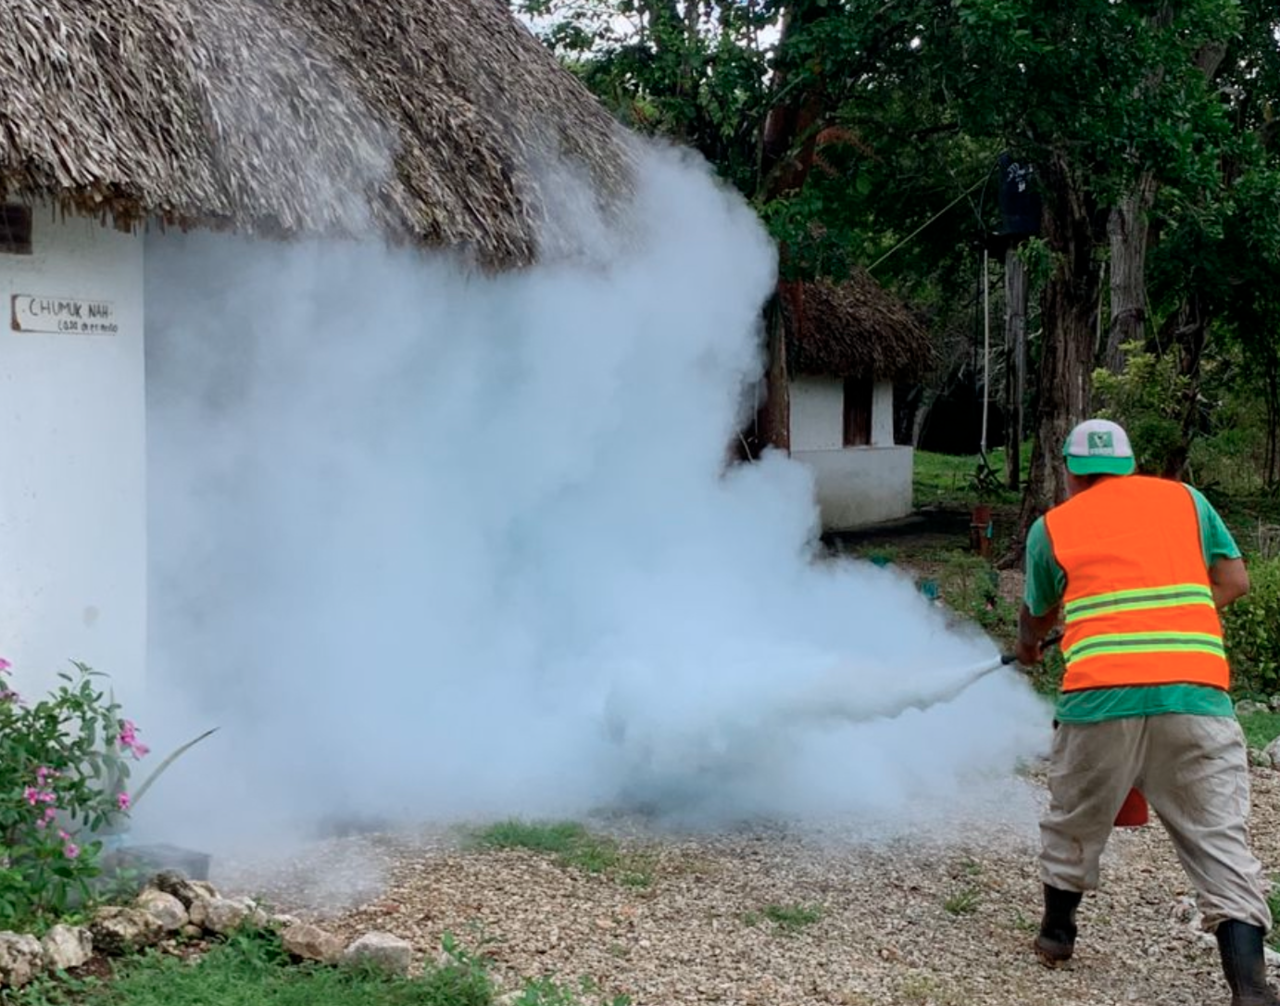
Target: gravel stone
312, 943
390, 953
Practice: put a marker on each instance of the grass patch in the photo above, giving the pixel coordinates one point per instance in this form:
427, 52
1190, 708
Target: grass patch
560, 837
1260, 729
252, 969
787, 918
919, 987
952, 480
963, 902
572, 845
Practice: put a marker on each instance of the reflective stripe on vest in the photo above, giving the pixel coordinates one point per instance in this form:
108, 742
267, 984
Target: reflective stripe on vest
1138, 603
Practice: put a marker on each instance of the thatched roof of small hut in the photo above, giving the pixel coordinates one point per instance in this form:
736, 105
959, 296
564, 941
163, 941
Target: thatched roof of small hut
438, 121
852, 329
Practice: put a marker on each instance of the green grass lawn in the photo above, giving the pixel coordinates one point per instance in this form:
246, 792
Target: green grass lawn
951, 480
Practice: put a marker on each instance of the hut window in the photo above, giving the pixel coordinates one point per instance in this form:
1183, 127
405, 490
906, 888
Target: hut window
857, 412
15, 230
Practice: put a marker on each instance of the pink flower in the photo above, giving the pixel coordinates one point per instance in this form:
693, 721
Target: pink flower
31, 795
129, 739
63, 835
4, 665
123, 800
71, 850
49, 814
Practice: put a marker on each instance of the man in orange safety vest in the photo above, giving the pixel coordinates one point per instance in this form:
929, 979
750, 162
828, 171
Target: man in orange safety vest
1137, 569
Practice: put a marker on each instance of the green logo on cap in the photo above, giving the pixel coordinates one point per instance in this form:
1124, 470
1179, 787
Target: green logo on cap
1100, 442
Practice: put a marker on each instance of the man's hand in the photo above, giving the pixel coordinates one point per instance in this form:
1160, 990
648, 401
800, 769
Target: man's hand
1031, 632
1028, 654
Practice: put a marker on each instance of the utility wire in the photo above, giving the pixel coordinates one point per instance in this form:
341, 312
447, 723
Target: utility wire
936, 216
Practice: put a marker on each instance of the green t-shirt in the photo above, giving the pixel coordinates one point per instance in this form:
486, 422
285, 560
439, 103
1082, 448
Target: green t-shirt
1046, 583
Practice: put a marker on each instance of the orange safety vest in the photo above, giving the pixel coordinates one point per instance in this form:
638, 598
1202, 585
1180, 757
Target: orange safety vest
1138, 603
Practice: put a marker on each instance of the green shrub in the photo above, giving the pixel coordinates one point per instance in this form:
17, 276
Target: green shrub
1231, 460
1252, 627
970, 586
1260, 729
1147, 399
64, 767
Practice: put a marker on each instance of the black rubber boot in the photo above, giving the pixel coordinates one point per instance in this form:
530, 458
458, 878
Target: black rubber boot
1244, 964
1057, 940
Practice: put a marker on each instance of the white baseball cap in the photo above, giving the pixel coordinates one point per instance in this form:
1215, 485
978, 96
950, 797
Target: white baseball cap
1098, 447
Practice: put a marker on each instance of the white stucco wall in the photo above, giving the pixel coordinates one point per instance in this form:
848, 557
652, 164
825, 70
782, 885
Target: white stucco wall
855, 486
72, 454
882, 414
817, 414
860, 485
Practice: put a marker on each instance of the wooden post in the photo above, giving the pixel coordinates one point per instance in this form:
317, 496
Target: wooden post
774, 418
1015, 379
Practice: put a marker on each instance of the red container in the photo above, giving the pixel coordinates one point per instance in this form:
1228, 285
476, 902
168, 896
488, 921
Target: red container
1134, 812
980, 530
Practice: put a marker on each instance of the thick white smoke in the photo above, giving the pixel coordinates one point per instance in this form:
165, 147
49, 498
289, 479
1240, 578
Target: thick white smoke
427, 543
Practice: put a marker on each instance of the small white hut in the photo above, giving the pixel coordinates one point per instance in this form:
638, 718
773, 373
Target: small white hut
847, 346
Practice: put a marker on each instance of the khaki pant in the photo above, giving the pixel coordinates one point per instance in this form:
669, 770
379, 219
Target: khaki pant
1194, 772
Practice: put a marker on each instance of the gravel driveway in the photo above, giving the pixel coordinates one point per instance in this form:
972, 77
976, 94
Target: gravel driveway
902, 918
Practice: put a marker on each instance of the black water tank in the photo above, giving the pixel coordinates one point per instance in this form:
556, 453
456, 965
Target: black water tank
1019, 198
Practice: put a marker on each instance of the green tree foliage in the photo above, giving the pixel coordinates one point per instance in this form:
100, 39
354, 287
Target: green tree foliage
694, 71
866, 134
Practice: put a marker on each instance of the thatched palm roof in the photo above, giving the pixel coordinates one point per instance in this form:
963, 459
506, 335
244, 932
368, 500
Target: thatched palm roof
434, 120
852, 329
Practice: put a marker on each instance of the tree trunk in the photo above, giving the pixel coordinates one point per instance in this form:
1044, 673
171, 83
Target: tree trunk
1184, 332
1066, 354
1015, 368
774, 420
783, 168
1127, 229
